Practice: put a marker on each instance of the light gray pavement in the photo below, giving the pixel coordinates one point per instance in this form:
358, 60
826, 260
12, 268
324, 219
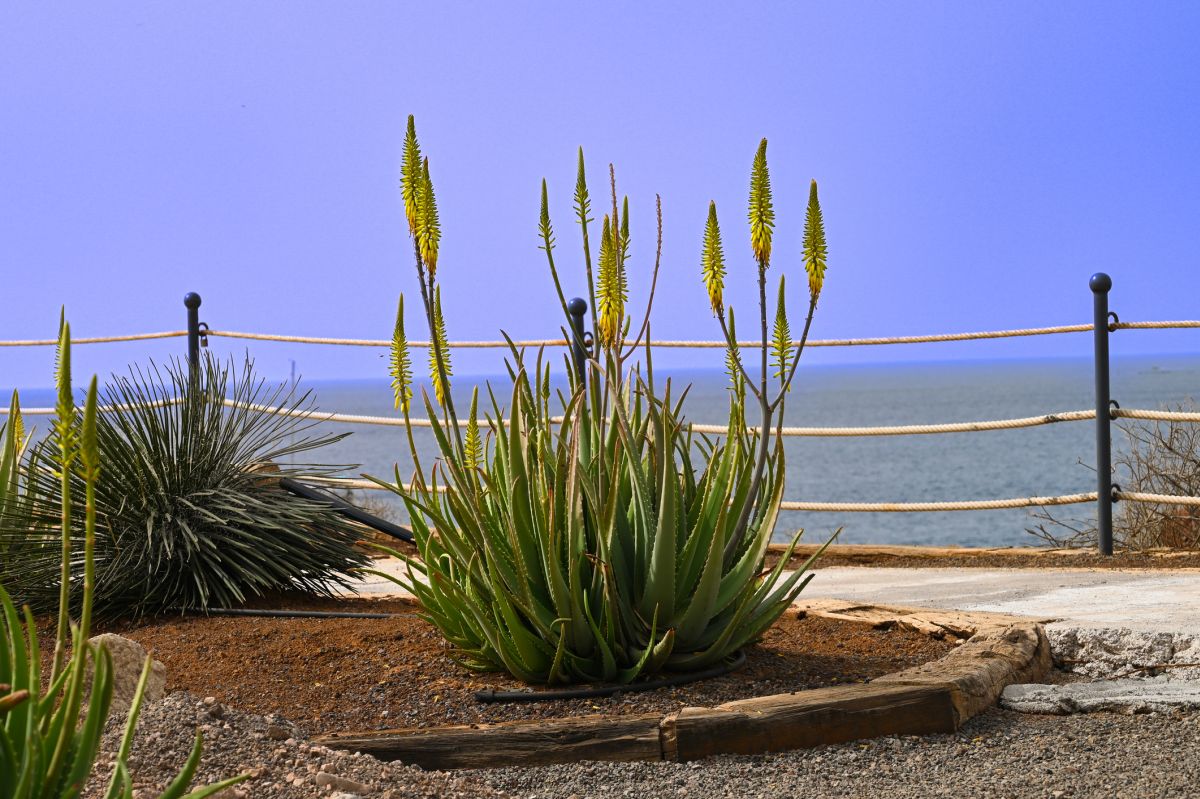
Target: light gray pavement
1138, 600
1150, 601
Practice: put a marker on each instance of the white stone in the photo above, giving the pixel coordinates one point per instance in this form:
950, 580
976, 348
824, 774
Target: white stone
1159, 695
1113, 652
128, 659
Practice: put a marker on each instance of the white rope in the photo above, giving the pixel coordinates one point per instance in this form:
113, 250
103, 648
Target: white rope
690, 344
918, 507
837, 342
373, 342
1158, 499
921, 429
1155, 325
812, 432
865, 507
349, 483
100, 408
1159, 416
50, 342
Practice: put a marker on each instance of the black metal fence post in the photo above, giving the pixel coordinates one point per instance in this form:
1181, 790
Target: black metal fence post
192, 301
577, 307
1100, 284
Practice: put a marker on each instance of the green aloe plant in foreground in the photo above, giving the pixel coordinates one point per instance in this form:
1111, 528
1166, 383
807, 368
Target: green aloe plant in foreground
49, 739
589, 535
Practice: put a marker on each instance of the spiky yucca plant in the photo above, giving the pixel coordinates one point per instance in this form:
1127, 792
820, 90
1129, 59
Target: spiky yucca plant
188, 520
48, 744
611, 542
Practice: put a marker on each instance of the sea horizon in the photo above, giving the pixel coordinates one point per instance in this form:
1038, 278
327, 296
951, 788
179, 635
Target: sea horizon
1041, 461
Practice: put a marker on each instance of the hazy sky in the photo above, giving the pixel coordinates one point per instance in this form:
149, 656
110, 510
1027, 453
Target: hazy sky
977, 163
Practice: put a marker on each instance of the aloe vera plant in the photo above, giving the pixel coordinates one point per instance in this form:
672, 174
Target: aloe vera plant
48, 744
589, 535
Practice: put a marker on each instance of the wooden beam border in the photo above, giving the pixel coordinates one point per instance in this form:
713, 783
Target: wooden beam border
995, 651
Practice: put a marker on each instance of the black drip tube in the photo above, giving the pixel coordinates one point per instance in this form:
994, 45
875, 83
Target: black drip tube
739, 659
346, 509
297, 614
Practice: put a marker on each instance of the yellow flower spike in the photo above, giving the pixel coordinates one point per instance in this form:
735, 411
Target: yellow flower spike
762, 211
781, 343
438, 347
815, 250
16, 424
545, 229
89, 452
410, 176
64, 419
473, 447
712, 261
401, 362
736, 381
583, 204
625, 229
611, 300
429, 230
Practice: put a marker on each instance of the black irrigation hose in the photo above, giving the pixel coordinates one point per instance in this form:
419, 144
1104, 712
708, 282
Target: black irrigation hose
346, 509
609, 690
299, 614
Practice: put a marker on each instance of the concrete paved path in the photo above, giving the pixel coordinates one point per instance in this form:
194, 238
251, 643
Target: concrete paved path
1150, 601
1139, 600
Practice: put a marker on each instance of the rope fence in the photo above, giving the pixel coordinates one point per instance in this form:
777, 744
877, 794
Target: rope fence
679, 344
51, 342
812, 432
1103, 324
352, 484
697, 344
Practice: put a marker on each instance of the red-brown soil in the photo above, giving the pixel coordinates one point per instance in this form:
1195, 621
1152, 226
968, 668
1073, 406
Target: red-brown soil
332, 675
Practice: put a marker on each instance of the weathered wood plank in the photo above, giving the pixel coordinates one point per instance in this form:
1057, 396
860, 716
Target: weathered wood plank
931, 621
806, 719
515, 743
979, 670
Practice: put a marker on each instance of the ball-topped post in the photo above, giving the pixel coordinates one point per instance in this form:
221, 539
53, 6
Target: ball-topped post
192, 301
577, 307
1100, 284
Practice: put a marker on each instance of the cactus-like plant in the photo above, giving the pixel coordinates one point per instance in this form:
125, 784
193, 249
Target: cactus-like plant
600, 540
189, 521
48, 747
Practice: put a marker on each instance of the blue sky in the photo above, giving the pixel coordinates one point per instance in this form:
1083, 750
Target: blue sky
977, 163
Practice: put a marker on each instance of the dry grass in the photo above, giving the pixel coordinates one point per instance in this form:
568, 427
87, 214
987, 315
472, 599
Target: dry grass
1159, 458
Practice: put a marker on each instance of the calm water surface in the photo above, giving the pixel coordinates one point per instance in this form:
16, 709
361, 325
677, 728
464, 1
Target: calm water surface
1012, 463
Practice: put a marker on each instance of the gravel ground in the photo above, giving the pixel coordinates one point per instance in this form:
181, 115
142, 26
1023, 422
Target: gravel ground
997, 755
282, 766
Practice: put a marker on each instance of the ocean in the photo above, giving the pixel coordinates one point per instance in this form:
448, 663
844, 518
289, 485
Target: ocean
1039, 461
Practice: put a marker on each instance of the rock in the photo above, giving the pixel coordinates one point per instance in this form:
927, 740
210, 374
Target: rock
1158, 695
278, 733
128, 659
332, 781
1107, 653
